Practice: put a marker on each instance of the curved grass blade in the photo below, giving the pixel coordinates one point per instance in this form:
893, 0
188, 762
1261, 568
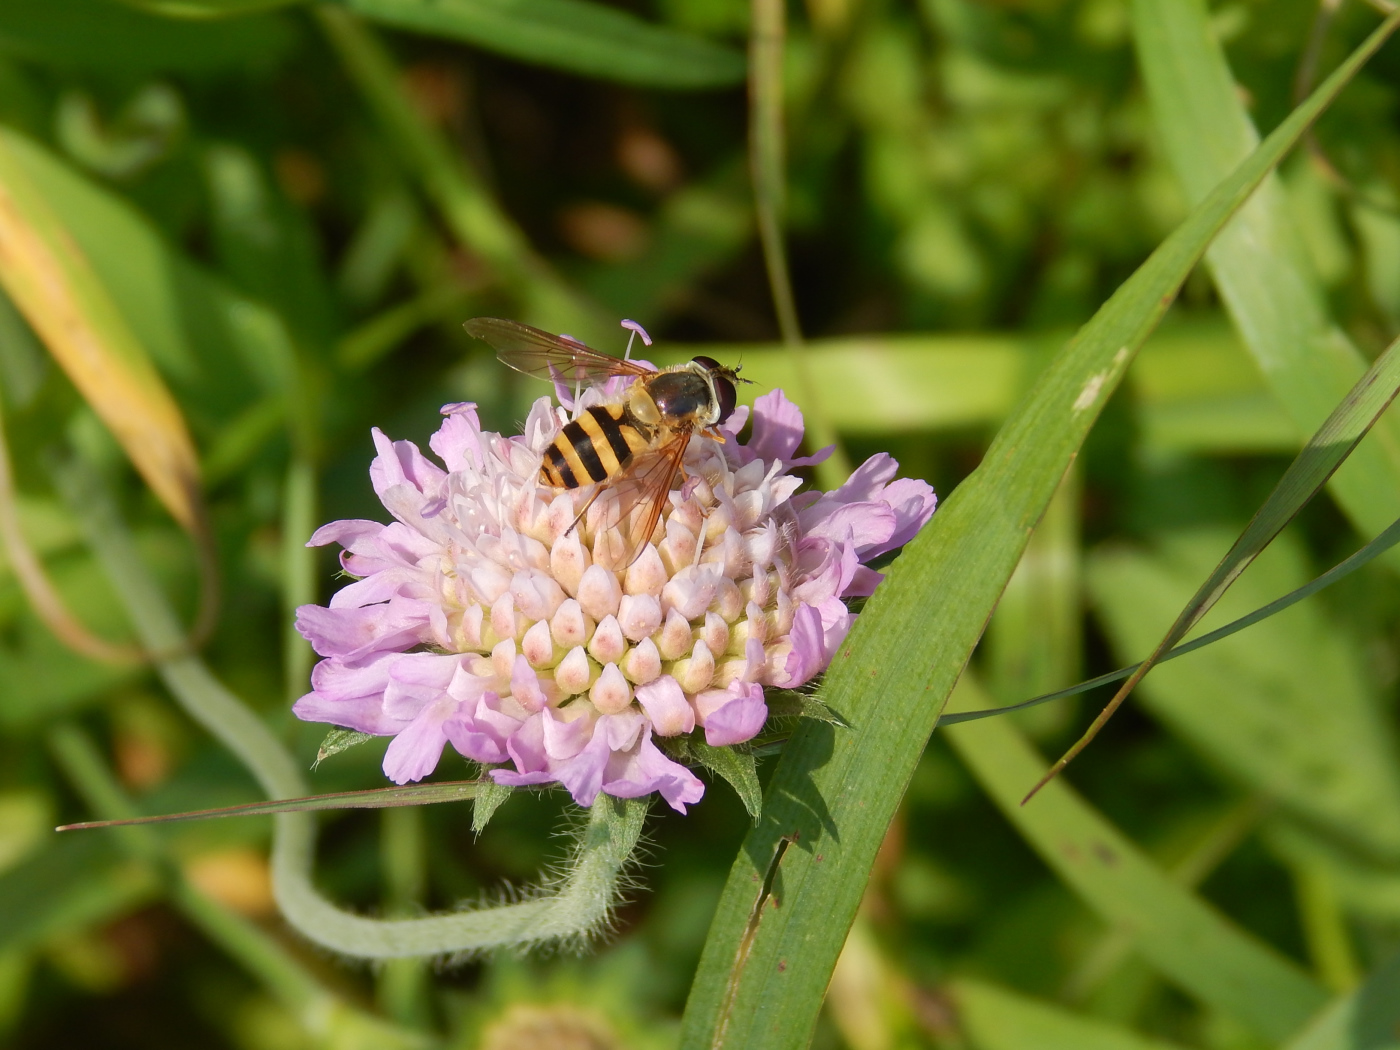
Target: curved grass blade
1378, 546
1305, 476
373, 798
762, 973
572, 35
1278, 306
1178, 934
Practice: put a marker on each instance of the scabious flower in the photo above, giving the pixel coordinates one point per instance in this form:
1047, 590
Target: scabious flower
479, 617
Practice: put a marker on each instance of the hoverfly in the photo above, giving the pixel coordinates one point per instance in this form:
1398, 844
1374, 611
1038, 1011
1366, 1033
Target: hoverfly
633, 445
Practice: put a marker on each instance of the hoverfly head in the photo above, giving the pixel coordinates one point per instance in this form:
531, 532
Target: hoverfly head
723, 379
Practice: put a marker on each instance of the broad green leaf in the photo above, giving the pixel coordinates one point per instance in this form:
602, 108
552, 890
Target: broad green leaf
1286, 709
884, 383
1366, 889
573, 35
1257, 262
995, 1018
1182, 937
737, 768
1197, 390
107, 35
833, 793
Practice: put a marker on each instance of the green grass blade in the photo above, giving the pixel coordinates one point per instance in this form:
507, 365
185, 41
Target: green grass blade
1289, 713
764, 968
1186, 940
1378, 546
1276, 303
460, 195
572, 35
1324, 453
373, 798
1366, 1019
998, 1019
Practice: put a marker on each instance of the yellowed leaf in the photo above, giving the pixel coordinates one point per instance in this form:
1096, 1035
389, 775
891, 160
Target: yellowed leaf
52, 283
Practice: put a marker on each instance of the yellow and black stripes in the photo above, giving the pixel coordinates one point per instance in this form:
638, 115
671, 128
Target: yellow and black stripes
594, 447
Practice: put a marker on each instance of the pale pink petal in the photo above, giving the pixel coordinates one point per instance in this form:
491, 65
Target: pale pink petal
777, 426
665, 704
738, 718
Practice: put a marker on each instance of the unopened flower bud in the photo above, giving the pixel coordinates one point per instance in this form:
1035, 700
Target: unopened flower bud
503, 618
503, 657
646, 575
599, 593
639, 615
608, 643
610, 693
570, 627
568, 559
695, 673
675, 638
715, 633
538, 646
575, 672
642, 662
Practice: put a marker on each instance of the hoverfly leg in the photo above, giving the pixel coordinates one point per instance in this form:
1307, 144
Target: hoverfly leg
598, 490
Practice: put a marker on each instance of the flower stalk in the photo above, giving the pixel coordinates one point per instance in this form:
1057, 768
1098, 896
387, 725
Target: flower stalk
571, 907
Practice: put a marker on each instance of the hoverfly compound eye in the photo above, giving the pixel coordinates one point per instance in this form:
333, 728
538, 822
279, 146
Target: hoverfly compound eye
708, 362
724, 391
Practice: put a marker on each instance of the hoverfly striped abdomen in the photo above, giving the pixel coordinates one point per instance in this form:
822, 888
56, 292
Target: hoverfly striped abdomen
596, 446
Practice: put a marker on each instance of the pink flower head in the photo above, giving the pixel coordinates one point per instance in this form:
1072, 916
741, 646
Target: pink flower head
480, 619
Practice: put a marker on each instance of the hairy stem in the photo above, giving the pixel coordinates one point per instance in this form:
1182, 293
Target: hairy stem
574, 908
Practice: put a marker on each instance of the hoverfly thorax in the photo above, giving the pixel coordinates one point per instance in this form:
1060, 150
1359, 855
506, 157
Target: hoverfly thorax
697, 394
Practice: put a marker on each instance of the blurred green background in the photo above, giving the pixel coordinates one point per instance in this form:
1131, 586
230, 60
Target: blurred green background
295, 207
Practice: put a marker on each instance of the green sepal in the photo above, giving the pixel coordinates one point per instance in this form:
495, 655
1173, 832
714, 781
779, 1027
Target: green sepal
489, 797
338, 740
790, 703
733, 764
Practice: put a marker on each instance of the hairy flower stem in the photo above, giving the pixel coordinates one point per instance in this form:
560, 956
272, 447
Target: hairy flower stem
577, 906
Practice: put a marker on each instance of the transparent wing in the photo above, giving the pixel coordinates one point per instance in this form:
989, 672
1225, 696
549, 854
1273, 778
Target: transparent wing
546, 356
637, 498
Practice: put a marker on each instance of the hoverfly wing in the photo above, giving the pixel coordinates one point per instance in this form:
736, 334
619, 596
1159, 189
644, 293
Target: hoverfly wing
635, 501
545, 356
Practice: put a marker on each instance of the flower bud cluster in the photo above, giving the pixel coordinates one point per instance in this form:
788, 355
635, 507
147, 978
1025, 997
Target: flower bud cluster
483, 617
